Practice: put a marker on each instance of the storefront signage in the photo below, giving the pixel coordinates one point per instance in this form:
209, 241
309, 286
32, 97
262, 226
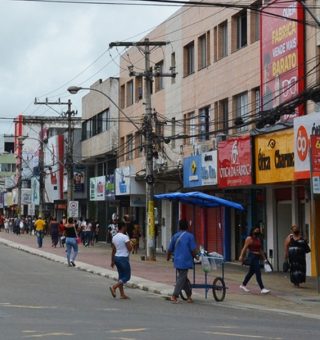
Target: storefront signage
274, 157
200, 170
126, 184
316, 185
97, 188
282, 53
78, 178
304, 127
110, 187
235, 162
35, 190
315, 153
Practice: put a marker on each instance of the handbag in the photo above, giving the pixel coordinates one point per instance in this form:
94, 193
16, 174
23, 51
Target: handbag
286, 266
267, 267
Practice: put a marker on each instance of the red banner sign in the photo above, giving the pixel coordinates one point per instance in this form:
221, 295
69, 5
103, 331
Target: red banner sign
235, 162
315, 153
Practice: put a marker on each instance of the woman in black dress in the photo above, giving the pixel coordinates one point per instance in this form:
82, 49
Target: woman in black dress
296, 249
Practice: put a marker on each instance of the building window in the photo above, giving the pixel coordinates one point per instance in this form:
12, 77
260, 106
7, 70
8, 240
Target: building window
122, 96
138, 88
158, 79
84, 131
204, 124
255, 21
100, 122
173, 66
89, 130
239, 22
106, 120
121, 150
202, 52
189, 128
224, 115
129, 92
241, 110
223, 40
129, 147
138, 145
188, 56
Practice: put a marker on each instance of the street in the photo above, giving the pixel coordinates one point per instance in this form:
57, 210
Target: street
43, 299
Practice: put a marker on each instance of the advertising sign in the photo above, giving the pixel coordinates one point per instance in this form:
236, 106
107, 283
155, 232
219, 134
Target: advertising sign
235, 162
122, 176
25, 196
97, 188
304, 127
282, 53
78, 178
200, 170
35, 190
110, 187
315, 153
274, 157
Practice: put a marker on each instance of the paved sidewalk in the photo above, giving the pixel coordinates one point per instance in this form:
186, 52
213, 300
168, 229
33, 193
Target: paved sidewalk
159, 276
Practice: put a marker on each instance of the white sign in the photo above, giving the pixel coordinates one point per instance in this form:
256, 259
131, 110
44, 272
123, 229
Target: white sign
73, 209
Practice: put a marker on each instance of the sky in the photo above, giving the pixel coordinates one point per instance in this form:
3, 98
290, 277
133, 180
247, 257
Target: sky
47, 47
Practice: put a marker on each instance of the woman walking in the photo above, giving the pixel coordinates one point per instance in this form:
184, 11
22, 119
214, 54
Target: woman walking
71, 242
253, 244
54, 231
296, 249
121, 248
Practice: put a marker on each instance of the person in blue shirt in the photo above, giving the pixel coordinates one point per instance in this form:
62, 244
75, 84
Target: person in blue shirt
183, 247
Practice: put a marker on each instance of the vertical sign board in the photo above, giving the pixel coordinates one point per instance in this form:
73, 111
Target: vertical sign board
282, 53
73, 209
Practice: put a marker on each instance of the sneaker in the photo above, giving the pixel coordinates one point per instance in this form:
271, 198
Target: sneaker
244, 288
265, 291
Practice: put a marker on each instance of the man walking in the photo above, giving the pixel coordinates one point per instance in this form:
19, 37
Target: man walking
39, 225
183, 246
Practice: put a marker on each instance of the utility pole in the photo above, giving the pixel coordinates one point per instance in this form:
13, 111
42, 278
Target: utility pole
148, 74
41, 172
19, 177
69, 155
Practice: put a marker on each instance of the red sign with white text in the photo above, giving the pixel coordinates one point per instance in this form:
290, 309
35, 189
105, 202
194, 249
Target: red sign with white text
282, 53
235, 162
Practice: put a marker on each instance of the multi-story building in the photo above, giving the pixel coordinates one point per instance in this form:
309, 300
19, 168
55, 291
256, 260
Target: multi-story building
99, 145
227, 119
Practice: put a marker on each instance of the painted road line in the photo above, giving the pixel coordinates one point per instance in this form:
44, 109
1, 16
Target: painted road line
238, 335
9, 305
128, 330
44, 335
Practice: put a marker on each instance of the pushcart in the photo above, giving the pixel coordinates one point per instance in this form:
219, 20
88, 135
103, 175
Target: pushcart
218, 285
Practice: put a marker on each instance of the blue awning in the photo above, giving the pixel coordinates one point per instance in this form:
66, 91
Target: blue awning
200, 199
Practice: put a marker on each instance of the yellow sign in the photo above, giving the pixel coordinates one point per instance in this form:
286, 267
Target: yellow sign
274, 157
193, 167
151, 220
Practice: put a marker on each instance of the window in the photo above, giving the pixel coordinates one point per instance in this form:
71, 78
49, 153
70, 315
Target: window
255, 22
159, 79
224, 115
130, 147
241, 110
239, 30
256, 100
202, 52
189, 128
138, 145
129, 92
173, 66
138, 88
223, 40
84, 131
88, 126
204, 124
121, 150
100, 122
188, 56
106, 120
122, 96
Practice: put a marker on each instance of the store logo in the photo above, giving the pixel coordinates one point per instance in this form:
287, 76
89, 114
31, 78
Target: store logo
302, 143
193, 167
234, 153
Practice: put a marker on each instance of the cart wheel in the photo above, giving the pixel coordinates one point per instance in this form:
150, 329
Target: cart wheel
183, 293
219, 289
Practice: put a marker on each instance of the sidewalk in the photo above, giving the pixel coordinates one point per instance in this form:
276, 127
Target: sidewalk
159, 276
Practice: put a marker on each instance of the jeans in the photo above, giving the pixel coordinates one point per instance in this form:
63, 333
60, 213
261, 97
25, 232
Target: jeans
181, 283
254, 269
71, 244
40, 236
87, 238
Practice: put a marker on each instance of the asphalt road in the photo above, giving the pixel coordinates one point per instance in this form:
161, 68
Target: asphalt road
40, 299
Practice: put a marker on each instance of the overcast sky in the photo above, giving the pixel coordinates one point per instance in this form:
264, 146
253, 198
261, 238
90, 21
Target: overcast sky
44, 46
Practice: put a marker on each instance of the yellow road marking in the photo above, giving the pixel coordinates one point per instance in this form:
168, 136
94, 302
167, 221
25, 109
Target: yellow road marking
128, 330
242, 335
48, 334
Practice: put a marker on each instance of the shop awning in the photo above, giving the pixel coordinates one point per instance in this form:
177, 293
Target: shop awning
200, 199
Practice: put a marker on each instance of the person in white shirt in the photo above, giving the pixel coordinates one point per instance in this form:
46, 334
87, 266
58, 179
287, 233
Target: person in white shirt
121, 248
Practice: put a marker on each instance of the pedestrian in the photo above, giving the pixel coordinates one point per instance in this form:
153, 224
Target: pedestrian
1, 221
54, 231
296, 248
129, 224
39, 226
6, 225
253, 246
121, 248
70, 233
135, 238
183, 247
112, 228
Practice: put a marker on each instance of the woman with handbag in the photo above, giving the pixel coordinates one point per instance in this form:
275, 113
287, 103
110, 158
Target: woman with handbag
70, 233
296, 249
253, 245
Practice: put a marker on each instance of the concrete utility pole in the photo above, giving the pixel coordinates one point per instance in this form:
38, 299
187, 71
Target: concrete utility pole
41, 172
144, 47
19, 179
69, 155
